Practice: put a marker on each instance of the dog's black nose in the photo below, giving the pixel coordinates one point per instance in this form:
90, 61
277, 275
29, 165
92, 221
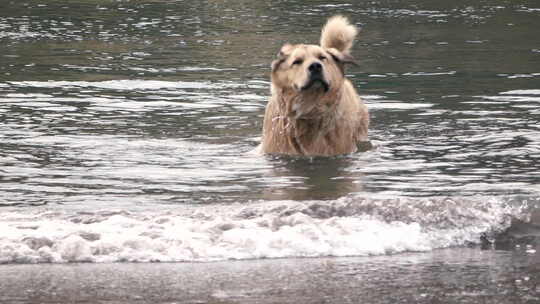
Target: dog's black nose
315, 67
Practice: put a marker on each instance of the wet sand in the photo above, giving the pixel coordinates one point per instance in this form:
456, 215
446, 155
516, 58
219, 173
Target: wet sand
461, 275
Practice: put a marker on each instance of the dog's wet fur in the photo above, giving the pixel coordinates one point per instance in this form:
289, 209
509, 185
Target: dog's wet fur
314, 110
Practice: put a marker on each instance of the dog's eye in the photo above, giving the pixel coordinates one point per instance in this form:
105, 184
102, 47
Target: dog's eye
322, 58
298, 61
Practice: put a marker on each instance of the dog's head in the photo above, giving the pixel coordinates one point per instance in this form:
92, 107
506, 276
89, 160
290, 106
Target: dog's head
316, 69
309, 68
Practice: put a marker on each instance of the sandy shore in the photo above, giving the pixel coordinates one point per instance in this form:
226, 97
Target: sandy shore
460, 275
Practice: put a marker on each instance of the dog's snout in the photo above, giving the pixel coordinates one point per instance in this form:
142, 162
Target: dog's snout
315, 67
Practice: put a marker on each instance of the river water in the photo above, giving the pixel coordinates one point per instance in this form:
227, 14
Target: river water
125, 136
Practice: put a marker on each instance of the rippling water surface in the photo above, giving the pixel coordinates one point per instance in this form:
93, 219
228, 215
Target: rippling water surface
126, 132
126, 129
121, 103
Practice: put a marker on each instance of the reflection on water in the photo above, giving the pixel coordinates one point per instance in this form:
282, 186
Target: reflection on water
311, 178
435, 277
106, 102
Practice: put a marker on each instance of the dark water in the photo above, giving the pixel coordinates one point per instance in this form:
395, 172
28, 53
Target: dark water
111, 109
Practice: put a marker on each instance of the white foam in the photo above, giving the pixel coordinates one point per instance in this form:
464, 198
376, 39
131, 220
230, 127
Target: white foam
522, 92
430, 73
372, 97
263, 230
512, 98
123, 84
398, 105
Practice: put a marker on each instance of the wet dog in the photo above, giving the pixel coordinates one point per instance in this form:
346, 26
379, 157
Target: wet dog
314, 110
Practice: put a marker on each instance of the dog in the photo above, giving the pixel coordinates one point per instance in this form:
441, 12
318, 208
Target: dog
313, 109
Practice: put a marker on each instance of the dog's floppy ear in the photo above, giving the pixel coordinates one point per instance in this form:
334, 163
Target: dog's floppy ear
342, 58
284, 52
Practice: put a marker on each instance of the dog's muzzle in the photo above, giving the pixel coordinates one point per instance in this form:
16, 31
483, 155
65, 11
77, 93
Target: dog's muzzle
316, 78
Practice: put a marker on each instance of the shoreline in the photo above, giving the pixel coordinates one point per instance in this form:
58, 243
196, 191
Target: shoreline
457, 275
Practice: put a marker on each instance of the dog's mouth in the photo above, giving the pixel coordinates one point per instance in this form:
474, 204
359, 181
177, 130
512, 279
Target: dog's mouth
316, 83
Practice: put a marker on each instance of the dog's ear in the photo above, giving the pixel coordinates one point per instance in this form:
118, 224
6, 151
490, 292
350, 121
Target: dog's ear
342, 58
283, 54
286, 50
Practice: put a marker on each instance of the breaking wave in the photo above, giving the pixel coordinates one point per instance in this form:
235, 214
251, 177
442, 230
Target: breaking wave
349, 226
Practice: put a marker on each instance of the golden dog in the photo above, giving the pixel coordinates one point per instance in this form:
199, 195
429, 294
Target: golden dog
314, 109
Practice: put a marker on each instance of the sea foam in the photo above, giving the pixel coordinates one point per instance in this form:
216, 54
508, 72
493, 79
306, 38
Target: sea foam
344, 227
